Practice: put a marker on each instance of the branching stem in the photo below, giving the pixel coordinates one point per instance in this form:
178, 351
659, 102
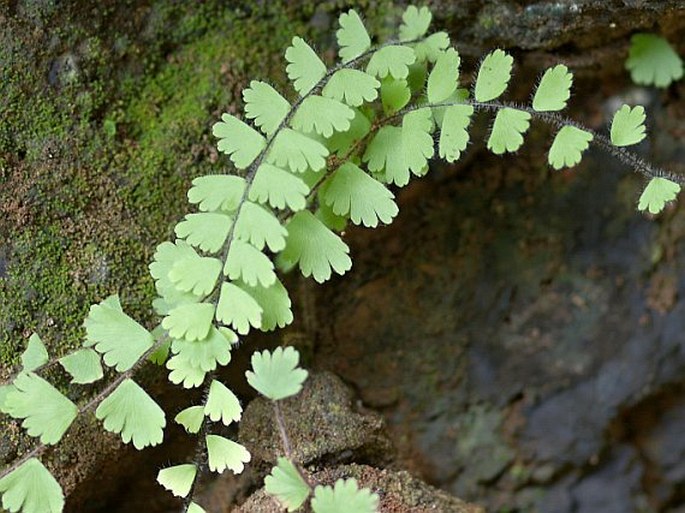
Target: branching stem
254, 167
626, 156
92, 403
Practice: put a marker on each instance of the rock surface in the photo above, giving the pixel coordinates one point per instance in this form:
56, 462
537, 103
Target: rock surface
400, 492
531, 355
105, 120
325, 429
322, 423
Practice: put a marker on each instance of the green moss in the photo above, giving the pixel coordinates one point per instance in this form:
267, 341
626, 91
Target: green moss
100, 169
98, 158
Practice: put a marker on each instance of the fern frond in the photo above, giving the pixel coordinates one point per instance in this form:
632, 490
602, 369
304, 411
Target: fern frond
415, 22
391, 60
191, 418
352, 86
305, 68
207, 353
344, 496
112, 333
238, 309
507, 130
493, 76
329, 218
276, 375
222, 404
568, 147
315, 248
279, 188
178, 479
46, 413
260, 228
286, 484
217, 192
196, 274
239, 141
297, 151
265, 106
31, 488
453, 134
395, 94
35, 354
83, 366
132, 413
652, 61
226, 454
247, 263
399, 151
342, 142
430, 48
658, 193
350, 191
353, 39
628, 126
322, 115
206, 230
275, 305
554, 89
444, 77
165, 257
190, 321
184, 373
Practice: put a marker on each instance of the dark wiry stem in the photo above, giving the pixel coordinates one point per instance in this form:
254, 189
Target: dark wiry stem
200, 456
626, 156
46, 366
285, 440
35, 452
249, 178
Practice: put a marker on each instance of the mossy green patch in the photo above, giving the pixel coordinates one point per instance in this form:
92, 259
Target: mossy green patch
107, 124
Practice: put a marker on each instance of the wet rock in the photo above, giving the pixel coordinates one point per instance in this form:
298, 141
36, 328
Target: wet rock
63, 70
553, 24
399, 492
530, 294
481, 450
322, 423
611, 489
664, 448
324, 428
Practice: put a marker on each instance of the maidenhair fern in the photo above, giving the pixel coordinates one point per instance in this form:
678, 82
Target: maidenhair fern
652, 61
307, 164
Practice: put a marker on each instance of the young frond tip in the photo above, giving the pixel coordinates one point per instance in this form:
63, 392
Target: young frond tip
658, 193
493, 76
305, 69
276, 375
652, 61
352, 36
554, 89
